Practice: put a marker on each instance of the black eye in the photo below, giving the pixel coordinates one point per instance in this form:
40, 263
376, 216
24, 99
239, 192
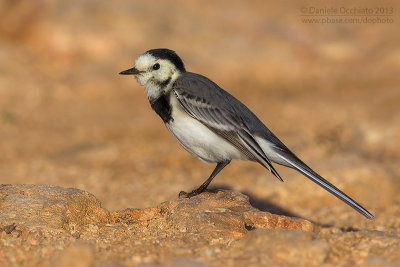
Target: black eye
156, 66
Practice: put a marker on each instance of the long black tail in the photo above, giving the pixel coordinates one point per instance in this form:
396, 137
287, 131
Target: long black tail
295, 163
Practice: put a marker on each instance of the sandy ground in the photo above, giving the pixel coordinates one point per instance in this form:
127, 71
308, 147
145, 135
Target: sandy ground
330, 92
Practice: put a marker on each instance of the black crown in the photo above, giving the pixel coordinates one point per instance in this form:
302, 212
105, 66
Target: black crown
170, 55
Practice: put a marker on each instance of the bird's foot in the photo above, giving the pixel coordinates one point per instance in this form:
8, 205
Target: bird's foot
190, 194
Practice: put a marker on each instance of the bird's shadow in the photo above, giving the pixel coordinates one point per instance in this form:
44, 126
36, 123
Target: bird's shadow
259, 203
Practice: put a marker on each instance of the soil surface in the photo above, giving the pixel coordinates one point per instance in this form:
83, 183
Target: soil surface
70, 125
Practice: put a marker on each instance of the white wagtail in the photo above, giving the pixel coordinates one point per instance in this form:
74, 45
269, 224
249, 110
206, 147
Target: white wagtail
213, 125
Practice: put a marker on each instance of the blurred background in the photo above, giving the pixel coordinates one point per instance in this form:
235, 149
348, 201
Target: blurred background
329, 91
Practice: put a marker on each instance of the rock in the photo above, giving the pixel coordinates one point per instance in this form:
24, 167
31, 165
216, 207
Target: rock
225, 214
55, 226
257, 219
35, 206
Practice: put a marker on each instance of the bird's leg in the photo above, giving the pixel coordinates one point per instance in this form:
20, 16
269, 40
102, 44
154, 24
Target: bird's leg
203, 187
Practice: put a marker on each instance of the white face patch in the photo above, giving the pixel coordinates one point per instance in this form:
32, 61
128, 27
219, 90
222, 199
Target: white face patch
153, 79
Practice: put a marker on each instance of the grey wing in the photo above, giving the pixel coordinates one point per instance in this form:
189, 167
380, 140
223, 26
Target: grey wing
222, 119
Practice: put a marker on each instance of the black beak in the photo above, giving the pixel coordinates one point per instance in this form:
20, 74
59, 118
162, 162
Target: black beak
131, 71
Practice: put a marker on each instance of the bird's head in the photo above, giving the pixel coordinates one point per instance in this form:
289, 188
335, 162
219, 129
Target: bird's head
156, 69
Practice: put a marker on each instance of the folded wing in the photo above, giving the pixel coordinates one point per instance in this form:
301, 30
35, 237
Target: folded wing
221, 121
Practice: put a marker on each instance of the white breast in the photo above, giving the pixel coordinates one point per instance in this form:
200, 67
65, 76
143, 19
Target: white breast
197, 139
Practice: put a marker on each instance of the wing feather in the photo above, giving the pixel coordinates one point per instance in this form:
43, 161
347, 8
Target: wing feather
224, 123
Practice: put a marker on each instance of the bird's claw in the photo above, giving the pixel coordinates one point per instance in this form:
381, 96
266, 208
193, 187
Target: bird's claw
183, 194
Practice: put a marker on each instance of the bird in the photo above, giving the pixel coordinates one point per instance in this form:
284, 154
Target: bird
213, 125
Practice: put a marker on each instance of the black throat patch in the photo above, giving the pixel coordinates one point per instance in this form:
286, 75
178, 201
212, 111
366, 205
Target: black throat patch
162, 107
